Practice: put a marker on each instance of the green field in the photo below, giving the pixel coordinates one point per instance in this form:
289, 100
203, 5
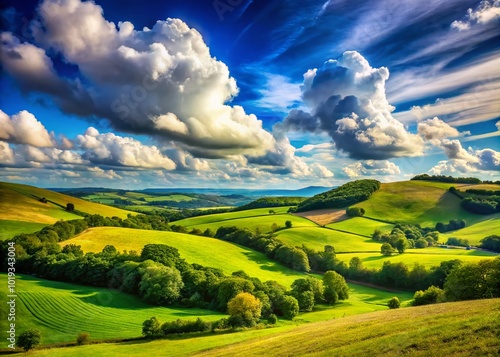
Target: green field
219, 217
475, 232
428, 257
361, 226
426, 203
9, 228
209, 252
457, 329
61, 310
317, 237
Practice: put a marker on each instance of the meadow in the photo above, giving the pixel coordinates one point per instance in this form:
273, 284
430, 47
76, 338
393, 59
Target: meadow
317, 237
228, 216
209, 252
61, 310
459, 329
476, 232
362, 226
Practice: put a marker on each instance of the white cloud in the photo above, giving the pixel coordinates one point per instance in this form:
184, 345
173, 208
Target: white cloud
435, 129
114, 150
279, 93
160, 81
6, 153
24, 128
347, 100
371, 168
487, 11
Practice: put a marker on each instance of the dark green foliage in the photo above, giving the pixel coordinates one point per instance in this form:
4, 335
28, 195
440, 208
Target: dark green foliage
160, 285
185, 326
441, 178
271, 202
480, 206
228, 288
386, 249
345, 195
288, 224
288, 306
458, 242
83, 338
335, 287
394, 303
70, 207
483, 192
474, 281
491, 243
438, 275
355, 212
452, 225
272, 319
160, 253
432, 295
29, 339
307, 291
394, 275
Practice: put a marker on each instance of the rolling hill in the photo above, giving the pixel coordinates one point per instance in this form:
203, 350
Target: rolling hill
22, 212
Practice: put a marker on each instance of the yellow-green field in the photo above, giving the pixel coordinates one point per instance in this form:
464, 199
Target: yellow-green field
220, 217
426, 203
428, 257
209, 252
476, 232
361, 226
317, 237
469, 328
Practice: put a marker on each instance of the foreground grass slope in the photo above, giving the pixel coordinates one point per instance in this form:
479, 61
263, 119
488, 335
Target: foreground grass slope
468, 328
455, 329
61, 310
20, 208
209, 252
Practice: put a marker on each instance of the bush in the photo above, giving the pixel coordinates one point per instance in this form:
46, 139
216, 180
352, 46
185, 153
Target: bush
272, 319
458, 242
432, 295
186, 326
151, 327
386, 249
245, 309
29, 339
82, 338
491, 243
355, 211
394, 303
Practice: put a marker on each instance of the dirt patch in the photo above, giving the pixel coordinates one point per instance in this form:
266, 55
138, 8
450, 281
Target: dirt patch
324, 216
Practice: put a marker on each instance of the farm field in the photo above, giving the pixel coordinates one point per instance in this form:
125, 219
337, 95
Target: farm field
219, 217
10, 228
62, 310
361, 226
428, 257
475, 232
468, 327
426, 203
317, 237
209, 252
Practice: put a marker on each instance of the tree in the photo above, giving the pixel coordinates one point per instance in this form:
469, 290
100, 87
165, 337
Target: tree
271, 211
432, 295
244, 307
355, 211
401, 245
386, 249
70, 207
161, 285
289, 307
394, 303
288, 224
229, 288
151, 327
335, 287
82, 338
29, 339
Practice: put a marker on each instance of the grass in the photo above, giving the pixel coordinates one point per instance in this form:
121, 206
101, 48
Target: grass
219, 217
426, 203
262, 224
475, 232
428, 257
20, 203
61, 310
9, 228
455, 329
209, 252
317, 237
361, 226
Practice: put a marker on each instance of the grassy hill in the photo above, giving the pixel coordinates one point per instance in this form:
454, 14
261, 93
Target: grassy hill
468, 328
209, 252
361, 226
22, 212
61, 310
476, 232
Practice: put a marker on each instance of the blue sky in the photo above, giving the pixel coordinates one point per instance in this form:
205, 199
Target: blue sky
242, 93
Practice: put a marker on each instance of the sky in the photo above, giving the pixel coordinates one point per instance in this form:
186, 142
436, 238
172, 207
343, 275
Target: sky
247, 93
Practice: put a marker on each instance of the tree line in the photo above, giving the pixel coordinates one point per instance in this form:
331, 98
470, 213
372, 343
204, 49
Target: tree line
448, 179
271, 202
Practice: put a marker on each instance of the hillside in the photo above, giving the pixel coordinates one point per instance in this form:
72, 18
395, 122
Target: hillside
459, 329
469, 328
22, 212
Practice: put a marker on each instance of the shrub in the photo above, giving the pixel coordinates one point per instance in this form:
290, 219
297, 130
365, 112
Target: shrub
151, 327
355, 211
394, 303
82, 338
272, 319
29, 339
432, 295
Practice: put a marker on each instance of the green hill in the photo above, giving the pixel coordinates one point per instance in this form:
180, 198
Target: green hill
469, 328
22, 212
209, 252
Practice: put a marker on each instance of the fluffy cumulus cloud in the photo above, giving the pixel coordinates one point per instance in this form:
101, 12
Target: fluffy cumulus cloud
113, 150
436, 129
347, 100
24, 128
160, 81
487, 11
371, 168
